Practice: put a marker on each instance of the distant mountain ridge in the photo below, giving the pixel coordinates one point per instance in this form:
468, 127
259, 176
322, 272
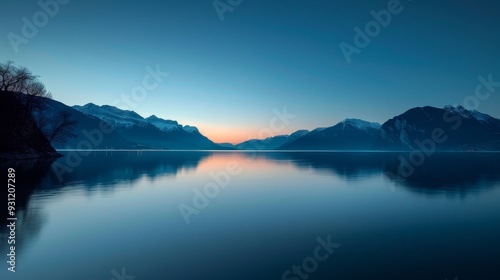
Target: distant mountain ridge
169, 125
86, 125
270, 143
464, 130
349, 134
152, 132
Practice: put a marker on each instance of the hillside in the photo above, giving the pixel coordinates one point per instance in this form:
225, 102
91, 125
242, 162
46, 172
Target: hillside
21, 138
460, 129
86, 125
151, 132
350, 134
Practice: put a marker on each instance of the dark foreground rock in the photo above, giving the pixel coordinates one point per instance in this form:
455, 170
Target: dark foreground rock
20, 138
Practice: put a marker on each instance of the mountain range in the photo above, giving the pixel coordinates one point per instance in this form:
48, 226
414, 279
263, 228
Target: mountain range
462, 129
270, 143
151, 132
349, 134
456, 129
130, 130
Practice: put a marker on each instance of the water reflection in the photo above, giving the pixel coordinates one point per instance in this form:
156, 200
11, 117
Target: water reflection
440, 173
264, 222
450, 172
29, 175
110, 168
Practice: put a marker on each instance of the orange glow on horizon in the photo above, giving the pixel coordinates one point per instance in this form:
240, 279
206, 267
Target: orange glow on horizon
236, 135
233, 135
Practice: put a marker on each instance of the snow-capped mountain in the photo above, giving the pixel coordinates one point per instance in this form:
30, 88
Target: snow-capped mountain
360, 124
189, 128
169, 125
462, 129
113, 115
86, 125
152, 132
471, 114
349, 134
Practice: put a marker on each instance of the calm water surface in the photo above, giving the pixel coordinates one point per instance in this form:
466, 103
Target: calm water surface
120, 213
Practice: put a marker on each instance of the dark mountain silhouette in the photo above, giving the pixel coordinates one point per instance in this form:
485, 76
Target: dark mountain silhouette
350, 134
87, 130
422, 128
270, 143
152, 132
20, 136
227, 145
457, 128
185, 134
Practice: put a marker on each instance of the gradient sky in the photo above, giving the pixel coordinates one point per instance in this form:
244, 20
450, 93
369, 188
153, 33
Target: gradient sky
226, 77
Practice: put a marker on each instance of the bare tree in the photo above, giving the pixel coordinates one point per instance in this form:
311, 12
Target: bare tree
15, 78
60, 128
32, 94
19, 79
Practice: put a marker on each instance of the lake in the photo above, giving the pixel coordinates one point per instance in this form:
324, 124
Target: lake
143, 215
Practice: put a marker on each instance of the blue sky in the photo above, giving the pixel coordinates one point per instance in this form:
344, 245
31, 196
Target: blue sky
226, 77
